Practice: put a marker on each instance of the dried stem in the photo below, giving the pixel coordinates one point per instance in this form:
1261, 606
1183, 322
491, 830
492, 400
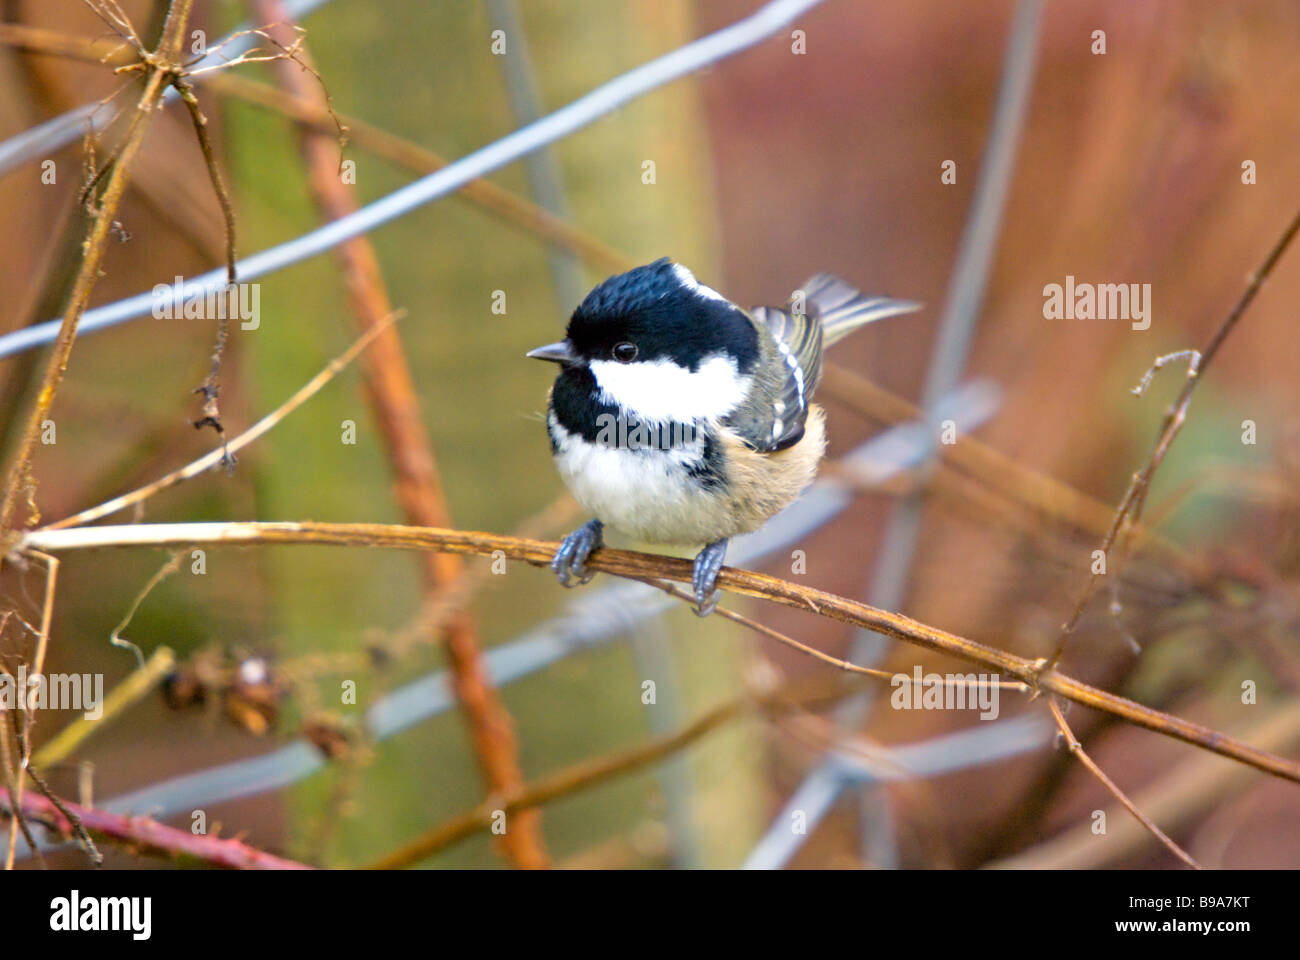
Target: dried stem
186, 91
106, 209
59, 44
1041, 493
687, 597
22, 720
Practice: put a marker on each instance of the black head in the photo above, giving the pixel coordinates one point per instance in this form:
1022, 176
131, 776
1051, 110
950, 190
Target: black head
660, 312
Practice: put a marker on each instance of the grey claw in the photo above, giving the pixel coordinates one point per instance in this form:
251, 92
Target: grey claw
705, 607
572, 556
704, 577
584, 575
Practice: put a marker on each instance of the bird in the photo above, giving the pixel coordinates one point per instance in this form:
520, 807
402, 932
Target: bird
678, 417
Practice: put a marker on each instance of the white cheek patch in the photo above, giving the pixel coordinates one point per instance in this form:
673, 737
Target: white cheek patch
687, 280
662, 390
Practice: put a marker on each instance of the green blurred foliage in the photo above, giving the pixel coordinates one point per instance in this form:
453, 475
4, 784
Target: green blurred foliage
440, 87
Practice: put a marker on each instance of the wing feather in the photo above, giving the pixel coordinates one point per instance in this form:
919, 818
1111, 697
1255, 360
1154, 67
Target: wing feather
773, 416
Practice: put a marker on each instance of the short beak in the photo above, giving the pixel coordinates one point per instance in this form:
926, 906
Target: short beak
555, 352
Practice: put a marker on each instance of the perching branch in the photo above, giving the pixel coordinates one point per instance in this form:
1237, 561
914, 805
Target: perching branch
643, 566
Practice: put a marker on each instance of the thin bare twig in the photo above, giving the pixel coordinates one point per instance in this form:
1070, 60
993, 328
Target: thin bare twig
9, 768
165, 571
689, 598
1181, 796
56, 43
211, 386
209, 460
1076, 748
1130, 507
74, 822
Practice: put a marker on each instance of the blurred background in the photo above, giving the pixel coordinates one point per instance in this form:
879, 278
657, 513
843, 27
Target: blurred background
819, 152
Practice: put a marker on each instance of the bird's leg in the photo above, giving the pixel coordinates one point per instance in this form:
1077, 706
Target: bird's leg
574, 550
707, 564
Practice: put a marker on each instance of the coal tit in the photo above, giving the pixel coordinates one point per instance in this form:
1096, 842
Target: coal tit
679, 418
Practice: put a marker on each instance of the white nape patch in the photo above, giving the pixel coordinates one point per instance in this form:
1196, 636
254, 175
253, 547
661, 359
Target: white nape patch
663, 390
687, 280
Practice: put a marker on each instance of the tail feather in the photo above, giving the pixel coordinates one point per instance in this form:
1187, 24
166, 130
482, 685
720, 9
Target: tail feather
842, 309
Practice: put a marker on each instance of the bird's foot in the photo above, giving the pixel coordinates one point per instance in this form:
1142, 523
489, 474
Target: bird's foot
574, 550
707, 564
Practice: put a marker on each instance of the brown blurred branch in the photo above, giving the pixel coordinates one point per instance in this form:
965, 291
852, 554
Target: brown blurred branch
560, 784
1041, 493
309, 112
589, 773
421, 161
143, 832
644, 566
58, 44
396, 407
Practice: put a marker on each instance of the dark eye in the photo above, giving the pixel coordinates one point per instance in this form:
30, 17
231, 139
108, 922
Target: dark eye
625, 352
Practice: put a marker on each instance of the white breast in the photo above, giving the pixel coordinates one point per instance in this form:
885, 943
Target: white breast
646, 494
